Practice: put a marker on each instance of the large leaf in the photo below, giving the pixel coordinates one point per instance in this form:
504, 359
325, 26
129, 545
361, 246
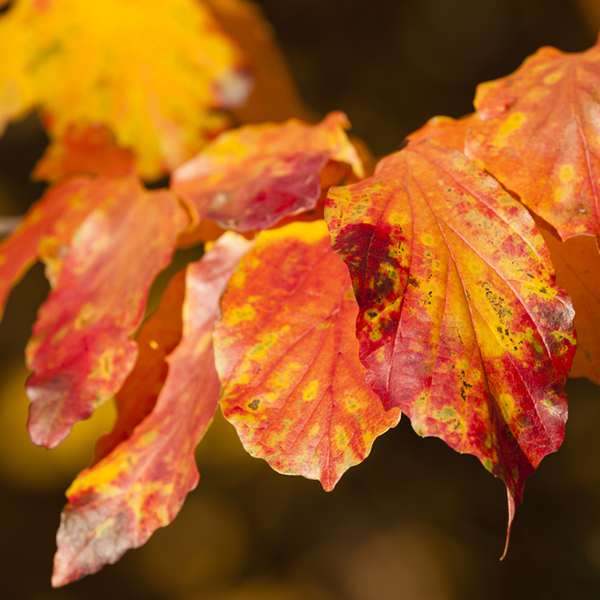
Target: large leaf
141, 484
53, 219
577, 263
80, 350
447, 131
287, 357
153, 72
251, 177
460, 323
541, 137
158, 337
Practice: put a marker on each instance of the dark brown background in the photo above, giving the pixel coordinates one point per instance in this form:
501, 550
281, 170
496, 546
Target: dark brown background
416, 521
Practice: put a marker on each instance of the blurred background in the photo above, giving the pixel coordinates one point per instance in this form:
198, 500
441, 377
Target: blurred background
415, 521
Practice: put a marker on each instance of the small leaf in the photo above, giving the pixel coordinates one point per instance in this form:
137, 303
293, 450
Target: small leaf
80, 350
52, 220
141, 484
251, 177
460, 323
577, 263
540, 137
154, 73
287, 357
84, 148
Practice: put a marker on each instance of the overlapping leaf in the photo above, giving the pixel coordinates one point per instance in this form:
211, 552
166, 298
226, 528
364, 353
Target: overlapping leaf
142, 483
80, 351
252, 177
447, 131
577, 263
541, 137
158, 337
460, 323
287, 357
51, 221
152, 72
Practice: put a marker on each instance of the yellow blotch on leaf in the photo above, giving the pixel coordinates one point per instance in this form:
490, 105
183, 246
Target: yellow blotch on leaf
511, 124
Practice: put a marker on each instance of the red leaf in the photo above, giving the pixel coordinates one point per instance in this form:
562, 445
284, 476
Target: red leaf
80, 350
287, 357
52, 219
541, 137
460, 323
84, 149
251, 177
158, 337
118, 503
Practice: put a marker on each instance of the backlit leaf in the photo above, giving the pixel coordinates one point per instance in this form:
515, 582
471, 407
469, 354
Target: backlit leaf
287, 357
253, 176
141, 484
577, 263
84, 148
540, 137
80, 350
50, 221
460, 323
153, 72
157, 338
447, 131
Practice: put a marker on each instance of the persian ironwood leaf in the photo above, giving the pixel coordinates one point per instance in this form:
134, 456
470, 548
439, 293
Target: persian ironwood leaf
253, 176
287, 357
460, 323
577, 264
154, 73
50, 223
141, 484
84, 148
80, 350
540, 137
158, 337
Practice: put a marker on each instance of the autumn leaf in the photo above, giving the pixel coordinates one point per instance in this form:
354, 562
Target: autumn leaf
157, 92
158, 337
287, 357
540, 137
80, 350
119, 502
84, 148
251, 177
50, 222
447, 131
577, 264
460, 323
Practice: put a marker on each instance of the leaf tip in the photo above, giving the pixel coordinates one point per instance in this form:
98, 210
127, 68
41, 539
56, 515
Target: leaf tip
511, 516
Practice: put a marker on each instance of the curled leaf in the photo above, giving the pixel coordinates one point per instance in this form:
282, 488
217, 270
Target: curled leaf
141, 484
287, 357
80, 350
460, 323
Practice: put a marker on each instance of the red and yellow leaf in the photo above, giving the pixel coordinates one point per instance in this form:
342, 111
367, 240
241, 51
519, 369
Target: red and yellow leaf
141, 484
153, 72
51, 221
577, 264
253, 176
540, 137
287, 357
84, 148
460, 323
158, 337
80, 350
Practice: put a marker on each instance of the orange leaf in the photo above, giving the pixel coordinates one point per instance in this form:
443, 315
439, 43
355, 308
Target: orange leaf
157, 338
447, 131
251, 177
119, 502
84, 148
50, 221
540, 137
460, 323
153, 72
577, 263
80, 350
287, 357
